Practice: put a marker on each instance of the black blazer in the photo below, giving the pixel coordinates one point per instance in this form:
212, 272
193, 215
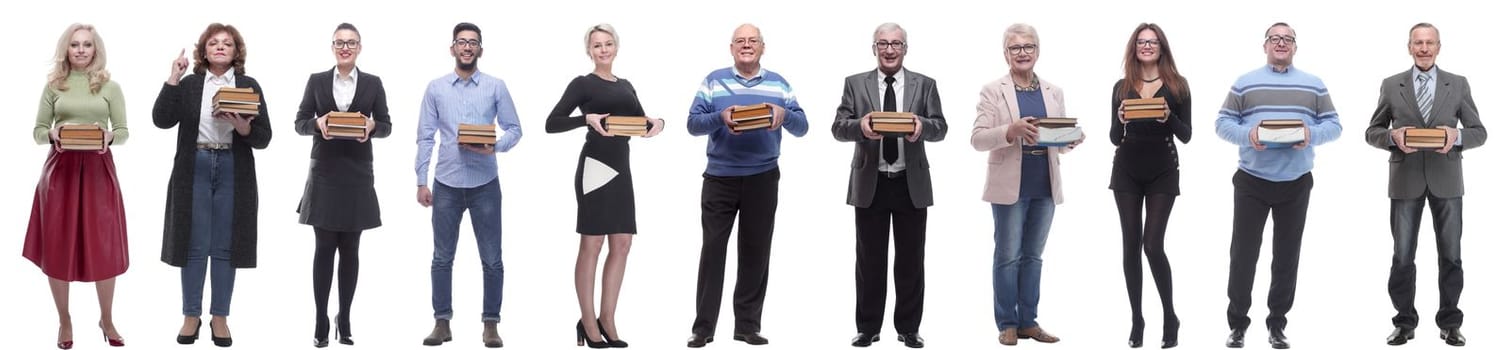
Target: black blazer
862, 96
339, 194
179, 105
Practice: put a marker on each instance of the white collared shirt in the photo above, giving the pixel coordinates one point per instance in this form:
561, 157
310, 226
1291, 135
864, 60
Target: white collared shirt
211, 129
898, 87
344, 89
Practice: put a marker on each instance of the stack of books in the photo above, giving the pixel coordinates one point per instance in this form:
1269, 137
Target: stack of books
349, 125
1058, 132
1281, 132
237, 100
1134, 109
751, 117
1424, 138
893, 123
476, 134
81, 137
627, 126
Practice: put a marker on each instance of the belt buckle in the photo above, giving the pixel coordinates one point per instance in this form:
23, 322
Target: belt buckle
893, 174
214, 146
1035, 152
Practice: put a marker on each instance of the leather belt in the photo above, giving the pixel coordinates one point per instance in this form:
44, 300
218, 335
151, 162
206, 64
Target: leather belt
893, 174
1035, 152
214, 146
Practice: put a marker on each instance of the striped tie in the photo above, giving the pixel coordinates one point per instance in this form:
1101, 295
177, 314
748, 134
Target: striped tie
1424, 96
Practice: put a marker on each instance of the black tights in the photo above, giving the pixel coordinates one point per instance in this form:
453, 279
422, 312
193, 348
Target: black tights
1137, 238
326, 244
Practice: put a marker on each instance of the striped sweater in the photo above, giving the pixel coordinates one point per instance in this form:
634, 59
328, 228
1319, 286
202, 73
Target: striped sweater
1267, 94
752, 151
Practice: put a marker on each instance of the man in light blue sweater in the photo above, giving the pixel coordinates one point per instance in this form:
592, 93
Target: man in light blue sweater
741, 181
1271, 179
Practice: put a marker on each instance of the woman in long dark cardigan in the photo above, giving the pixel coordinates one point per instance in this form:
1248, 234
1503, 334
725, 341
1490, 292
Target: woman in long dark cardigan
211, 214
339, 200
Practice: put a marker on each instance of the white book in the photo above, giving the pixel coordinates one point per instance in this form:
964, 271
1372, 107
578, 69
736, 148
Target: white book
1281, 137
1058, 137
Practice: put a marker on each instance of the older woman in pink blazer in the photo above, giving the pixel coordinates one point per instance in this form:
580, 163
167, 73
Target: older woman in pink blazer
1022, 182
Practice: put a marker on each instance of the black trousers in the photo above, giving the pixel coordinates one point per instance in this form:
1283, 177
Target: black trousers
1404, 218
752, 201
1254, 199
892, 207
326, 244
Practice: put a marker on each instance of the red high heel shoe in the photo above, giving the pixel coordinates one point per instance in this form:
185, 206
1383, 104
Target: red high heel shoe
117, 342
65, 345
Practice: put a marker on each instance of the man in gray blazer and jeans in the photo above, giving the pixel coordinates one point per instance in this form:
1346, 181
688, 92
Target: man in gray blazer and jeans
889, 184
1426, 97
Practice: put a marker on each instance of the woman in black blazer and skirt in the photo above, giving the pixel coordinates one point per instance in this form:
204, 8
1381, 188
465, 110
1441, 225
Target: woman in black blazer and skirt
339, 199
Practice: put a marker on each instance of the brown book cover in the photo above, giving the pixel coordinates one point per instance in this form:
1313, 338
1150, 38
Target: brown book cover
233, 89
238, 109
1281, 123
238, 97
1427, 142
346, 119
1057, 122
1144, 114
894, 128
754, 125
1425, 132
476, 140
81, 132
1151, 101
626, 120
751, 112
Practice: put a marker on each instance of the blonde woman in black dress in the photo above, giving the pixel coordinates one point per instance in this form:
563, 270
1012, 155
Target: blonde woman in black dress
604, 186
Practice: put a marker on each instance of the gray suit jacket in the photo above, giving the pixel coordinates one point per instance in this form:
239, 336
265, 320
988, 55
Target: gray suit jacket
862, 96
1410, 175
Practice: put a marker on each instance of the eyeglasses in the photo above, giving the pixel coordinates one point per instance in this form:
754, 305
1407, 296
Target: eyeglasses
1148, 42
882, 45
467, 42
1020, 49
345, 44
1289, 40
750, 41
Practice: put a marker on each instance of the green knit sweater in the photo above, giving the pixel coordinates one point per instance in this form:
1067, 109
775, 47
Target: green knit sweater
79, 106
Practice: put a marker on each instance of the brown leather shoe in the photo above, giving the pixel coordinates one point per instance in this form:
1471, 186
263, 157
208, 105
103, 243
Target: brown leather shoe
1038, 334
1008, 337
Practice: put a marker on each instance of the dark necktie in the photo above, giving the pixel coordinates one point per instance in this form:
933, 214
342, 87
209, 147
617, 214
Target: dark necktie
888, 145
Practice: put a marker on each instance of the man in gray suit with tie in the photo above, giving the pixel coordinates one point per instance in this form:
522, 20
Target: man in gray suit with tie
1426, 97
889, 184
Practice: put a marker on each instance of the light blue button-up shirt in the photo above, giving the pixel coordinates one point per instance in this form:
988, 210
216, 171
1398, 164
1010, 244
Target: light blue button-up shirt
450, 101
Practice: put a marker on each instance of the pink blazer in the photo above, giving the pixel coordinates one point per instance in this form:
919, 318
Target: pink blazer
997, 110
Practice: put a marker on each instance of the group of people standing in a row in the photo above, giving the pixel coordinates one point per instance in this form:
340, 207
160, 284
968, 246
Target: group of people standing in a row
77, 229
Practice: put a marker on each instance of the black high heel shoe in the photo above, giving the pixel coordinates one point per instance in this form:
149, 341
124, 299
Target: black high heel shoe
220, 342
321, 332
1170, 332
617, 343
189, 339
1135, 339
343, 329
581, 338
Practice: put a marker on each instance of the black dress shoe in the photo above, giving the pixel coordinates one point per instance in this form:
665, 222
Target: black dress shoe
1237, 339
1277, 339
321, 343
189, 339
1453, 337
912, 340
865, 339
751, 338
697, 341
1401, 335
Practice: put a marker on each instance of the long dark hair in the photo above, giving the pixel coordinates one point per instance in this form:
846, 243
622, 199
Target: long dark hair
1166, 68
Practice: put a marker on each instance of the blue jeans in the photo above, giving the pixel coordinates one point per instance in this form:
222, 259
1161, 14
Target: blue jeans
210, 234
485, 203
1021, 233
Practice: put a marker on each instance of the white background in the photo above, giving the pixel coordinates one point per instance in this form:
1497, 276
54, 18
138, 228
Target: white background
666, 50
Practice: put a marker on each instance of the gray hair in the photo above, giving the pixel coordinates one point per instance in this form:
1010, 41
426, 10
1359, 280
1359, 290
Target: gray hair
890, 27
604, 28
1425, 25
1020, 30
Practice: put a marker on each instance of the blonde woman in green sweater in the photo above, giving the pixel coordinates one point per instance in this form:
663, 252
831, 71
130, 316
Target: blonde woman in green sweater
78, 225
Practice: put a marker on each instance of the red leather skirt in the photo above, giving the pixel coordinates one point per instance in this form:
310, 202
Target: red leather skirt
78, 223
